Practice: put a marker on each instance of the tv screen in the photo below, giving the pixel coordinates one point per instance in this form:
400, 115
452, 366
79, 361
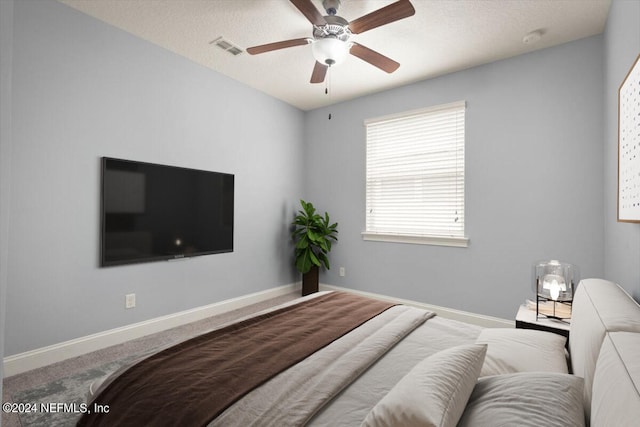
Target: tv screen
153, 212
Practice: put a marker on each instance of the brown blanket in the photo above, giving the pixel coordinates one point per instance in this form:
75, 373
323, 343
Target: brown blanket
191, 383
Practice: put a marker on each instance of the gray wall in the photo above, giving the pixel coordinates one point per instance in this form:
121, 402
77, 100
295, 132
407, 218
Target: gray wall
6, 59
533, 180
536, 184
82, 90
622, 240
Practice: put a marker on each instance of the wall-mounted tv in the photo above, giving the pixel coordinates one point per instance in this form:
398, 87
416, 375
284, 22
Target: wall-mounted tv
153, 212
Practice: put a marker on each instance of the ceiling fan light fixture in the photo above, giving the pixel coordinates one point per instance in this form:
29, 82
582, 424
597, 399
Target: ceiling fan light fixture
330, 51
332, 35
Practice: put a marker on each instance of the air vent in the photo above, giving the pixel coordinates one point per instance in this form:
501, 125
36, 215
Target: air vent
226, 45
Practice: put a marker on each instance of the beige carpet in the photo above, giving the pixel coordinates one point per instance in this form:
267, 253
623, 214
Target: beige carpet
68, 381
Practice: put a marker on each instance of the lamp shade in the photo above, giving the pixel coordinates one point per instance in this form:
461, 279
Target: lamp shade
330, 51
554, 280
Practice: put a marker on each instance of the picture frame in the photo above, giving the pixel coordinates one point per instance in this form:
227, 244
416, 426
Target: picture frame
629, 146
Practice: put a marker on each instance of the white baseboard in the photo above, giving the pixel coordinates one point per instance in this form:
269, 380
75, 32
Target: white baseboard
447, 313
22, 362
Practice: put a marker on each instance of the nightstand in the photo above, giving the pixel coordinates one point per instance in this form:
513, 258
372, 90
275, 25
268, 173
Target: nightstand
526, 319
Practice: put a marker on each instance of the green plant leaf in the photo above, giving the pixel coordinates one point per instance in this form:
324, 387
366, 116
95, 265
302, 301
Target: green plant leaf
304, 262
300, 263
314, 259
313, 235
325, 260
302, 243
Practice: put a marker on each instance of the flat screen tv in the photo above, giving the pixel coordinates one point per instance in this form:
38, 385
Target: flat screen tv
154, 212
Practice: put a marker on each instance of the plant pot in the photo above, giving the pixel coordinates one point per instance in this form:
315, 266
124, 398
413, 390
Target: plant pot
310, 281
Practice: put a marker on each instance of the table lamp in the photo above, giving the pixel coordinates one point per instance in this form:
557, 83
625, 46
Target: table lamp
554, 282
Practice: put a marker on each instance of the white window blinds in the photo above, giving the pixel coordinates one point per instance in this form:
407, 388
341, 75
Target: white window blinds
415, 174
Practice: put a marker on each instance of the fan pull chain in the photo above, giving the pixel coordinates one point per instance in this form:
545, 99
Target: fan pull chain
327, 88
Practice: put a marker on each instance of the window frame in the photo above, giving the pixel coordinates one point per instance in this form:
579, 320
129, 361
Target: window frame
425, 239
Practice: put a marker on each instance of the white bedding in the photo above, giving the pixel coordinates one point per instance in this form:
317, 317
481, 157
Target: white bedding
353, 404
293, 396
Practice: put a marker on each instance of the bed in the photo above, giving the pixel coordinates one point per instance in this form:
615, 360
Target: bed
339, 359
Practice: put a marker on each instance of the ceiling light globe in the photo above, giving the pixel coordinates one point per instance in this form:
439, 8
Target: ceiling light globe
329, 51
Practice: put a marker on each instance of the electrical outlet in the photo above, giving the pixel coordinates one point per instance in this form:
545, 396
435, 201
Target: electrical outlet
130, 301
342, 272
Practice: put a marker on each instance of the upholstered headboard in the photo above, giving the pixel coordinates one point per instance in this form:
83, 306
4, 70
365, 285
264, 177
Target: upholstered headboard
616, 400
600, 309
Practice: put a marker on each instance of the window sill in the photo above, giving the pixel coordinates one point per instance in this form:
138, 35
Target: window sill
458, 242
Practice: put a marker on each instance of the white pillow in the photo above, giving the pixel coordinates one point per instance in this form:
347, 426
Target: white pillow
528, 399
522, 350
434, 393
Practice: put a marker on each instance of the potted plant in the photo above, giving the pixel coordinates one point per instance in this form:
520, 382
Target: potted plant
313, 234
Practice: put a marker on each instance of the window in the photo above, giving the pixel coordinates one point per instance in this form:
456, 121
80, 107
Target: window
415, 176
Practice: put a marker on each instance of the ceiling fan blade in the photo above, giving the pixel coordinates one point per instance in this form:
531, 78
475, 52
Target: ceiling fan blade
374, 58
319, 73
309, 10
277, 45
391, 13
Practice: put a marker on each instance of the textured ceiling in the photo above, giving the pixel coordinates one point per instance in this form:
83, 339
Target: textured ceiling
442, 37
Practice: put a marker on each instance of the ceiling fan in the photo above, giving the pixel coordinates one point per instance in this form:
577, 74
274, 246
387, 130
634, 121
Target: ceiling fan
332, 35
